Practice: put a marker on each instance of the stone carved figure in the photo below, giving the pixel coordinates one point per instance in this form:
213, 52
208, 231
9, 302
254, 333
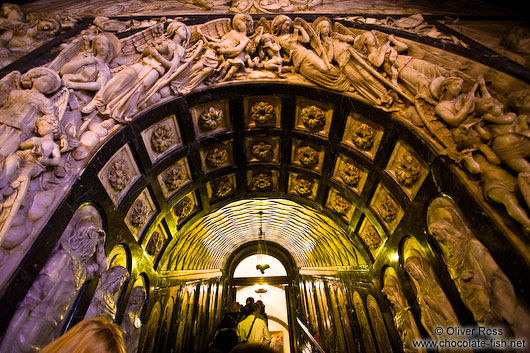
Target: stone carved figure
90, 70
364, 80
131, 324
436, 310
403, 318
483, 287
104, 303
79, 257
23, 106
312, 64
121, 97
224, 52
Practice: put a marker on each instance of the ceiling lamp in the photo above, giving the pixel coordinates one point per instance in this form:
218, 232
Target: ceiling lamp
262, 247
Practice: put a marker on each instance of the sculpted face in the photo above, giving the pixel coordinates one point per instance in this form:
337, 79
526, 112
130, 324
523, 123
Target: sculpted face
101, 46
325, 29
43, 84
286, 26
241, 25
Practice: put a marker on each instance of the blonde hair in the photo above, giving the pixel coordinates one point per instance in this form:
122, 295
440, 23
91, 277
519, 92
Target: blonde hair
97, 335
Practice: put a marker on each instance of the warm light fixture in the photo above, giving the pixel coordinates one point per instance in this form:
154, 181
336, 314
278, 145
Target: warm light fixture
262, 246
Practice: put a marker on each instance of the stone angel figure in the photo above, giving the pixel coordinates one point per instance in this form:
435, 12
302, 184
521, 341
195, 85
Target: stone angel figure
119, 98
226, 51
313, 64
105, 300
131, 324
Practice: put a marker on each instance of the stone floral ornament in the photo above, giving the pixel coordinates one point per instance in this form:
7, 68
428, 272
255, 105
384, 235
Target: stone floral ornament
155, 243
307, 156
262, 113
184, 208
350, 174
262, 150
222, 187
216, 157
139, 213
313, 117
363, 136
371, 238
303, 186
175, 177
211, 119
407, 170
340, 204
261, 181
388, 209
162, 138
119, 174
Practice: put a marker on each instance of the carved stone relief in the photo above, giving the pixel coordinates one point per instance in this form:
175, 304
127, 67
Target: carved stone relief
340, 205
262, 111
362, 319
210, 118
155, 242
314, 117
262, 180
363, 135
185, 207
350, 174
119, 174
217, 156
436, 309
221, 187
407, 169
378, 325
174, 178
79, 257
370, 237
483, 286
307, 155
162, 138
105, 300
302, 186
131, 325
141, 211
403, 318
385, 206
263, 149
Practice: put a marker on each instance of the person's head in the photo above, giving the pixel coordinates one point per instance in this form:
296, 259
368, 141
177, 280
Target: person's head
252, 348
323, 26
106, 45
243, 23
450, 87
281, 24
180, 30
46, 124
365, 42
44, 80
96, 335
249, 300
260, 305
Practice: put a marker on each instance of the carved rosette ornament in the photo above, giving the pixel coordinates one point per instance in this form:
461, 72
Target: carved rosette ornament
262, 113
407, 170
139, 213
363, 136
119, 174
261, 181
184, 207
162, 138
217, 157
302, 186
262, 150
174, 177
307, 156
350, 174
371, 238
313, 117
211, 119
222, 187
339, 204
155, 243
388, 209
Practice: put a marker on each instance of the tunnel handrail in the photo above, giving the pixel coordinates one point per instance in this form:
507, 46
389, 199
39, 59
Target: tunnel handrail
311, 337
